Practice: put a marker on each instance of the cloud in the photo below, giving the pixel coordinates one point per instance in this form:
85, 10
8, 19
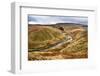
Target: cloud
30, 18
56, 19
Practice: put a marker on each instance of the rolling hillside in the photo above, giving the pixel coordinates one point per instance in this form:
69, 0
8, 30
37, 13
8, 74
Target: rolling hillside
57, 41
43, 36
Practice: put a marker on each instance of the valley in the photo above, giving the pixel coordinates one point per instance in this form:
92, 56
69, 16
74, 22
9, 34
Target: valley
57, 41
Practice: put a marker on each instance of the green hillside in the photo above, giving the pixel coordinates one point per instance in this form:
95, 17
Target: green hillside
44, 37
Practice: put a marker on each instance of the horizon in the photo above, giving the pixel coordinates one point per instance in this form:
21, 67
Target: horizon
49, 20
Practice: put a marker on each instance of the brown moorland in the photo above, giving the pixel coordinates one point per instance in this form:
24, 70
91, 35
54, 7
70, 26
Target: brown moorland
57, 41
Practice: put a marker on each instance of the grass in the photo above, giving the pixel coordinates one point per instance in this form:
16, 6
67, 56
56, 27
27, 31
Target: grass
56, 55
44, 37
77, 48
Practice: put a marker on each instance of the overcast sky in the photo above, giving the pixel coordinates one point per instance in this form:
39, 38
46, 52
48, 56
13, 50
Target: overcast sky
35, 19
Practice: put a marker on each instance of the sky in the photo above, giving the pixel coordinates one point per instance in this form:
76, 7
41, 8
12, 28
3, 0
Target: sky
36, 19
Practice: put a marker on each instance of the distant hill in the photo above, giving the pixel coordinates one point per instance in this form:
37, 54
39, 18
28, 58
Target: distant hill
67, 24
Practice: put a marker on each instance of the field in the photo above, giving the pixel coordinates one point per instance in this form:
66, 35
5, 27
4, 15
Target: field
57, 41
